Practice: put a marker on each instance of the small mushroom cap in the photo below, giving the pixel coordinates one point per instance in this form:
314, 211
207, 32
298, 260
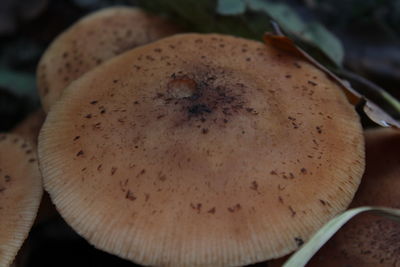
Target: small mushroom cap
20, 194
201, 150
93, 40
29, 128
370, 240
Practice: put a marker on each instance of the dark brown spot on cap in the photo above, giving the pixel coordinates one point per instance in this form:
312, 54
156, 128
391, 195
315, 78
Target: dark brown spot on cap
235, 208
254, 185
312, 83
212, 210
143, 171
129, 195
293, 213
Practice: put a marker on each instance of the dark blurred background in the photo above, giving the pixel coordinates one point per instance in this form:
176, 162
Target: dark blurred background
367, 30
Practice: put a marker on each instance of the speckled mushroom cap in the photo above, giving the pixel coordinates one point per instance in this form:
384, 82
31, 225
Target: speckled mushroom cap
93, 40
29, 128
201, 150
369, 240
20, 194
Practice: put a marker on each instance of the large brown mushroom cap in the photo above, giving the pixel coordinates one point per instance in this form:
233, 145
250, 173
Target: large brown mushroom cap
93, 40
201, 150
369, 240
20, 194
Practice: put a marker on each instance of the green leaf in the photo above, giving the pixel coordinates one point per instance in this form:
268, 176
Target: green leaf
314, 34
285, 16
231, 7
317, 34
250, 19
200, 16
303, 255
